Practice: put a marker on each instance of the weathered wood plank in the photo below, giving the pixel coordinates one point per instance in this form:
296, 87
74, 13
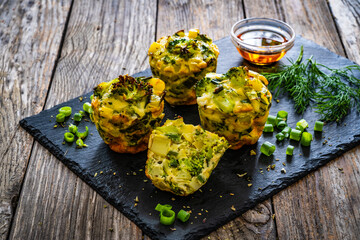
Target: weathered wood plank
102, 39
215, 18
28, 49
347, 17
323, 204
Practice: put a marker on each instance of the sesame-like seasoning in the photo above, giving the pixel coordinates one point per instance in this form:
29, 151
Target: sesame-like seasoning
250, 184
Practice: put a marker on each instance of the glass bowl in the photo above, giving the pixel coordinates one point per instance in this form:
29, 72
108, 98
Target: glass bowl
262, 41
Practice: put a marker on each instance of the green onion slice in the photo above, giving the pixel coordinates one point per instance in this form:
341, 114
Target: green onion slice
161, 207
268, 127
77, 117
60, 117
318, 126
73, 128
167, 216
286, 131
302, 125
267, 148
183, 215
91, 97
80, 143
281, 125
295, 134
65, 110
69, 137
87, 107
280, 136
271, 120
290, 150
282, 114
83, 135
306, 139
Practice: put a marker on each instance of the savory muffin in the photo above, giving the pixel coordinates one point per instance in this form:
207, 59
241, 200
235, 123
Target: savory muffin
234, 105
125, 111
181, 156
181, 60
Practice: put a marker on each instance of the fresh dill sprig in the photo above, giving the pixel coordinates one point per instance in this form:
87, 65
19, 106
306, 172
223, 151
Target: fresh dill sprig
333, 93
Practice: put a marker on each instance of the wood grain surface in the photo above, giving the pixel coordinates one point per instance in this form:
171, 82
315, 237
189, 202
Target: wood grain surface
99, 43
28, 50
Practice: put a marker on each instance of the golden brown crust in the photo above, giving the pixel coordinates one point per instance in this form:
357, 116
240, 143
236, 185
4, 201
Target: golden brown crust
122, 147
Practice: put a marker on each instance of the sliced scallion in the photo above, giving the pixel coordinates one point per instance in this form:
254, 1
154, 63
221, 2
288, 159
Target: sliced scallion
183, 215
69, 137
83, 135
280, 136
286, 131
281, 125
80, 143
65, 110
318, 126
73, 128
302, 125
295, 134
77, 117
306, 139
87, 107
167, 216
282, 114
267, 148
268, 127
290, 150
60, 117
271, 120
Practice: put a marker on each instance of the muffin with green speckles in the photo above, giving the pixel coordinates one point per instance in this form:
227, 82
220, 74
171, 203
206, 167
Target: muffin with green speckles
181, 60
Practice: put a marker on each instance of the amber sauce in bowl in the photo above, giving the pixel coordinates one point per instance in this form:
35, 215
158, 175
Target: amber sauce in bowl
262, 41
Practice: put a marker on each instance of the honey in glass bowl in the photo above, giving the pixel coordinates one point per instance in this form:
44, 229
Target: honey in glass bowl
262, 41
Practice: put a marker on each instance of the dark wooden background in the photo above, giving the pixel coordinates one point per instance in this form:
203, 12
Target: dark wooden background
52, 51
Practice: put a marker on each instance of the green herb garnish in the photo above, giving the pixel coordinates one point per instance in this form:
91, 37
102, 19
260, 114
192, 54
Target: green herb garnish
334, 94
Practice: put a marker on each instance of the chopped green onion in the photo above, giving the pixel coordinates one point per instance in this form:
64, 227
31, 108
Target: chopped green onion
167, 216
286, 131
318, 126
306, 139
80, 143
161, 207
87, 107
279, 119
73, 128
295, 135
267, 148
69, 137
268, 127
65, 110
280, 136
83, 135
281, 125
82, 113
302, 125
77, 117
183, 215
271, 120
282, 114
60, 117
91, 97
290, 150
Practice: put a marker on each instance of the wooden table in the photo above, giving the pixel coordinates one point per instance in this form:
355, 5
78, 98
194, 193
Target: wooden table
52, 51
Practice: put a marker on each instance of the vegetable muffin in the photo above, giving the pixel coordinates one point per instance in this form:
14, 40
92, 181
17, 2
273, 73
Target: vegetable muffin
181, 156
181, 60
234, 105
125, 111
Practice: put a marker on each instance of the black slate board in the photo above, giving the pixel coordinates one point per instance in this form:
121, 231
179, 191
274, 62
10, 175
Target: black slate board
214, 201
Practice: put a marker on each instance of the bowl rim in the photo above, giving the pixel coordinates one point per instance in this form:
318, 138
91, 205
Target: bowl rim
251, 47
